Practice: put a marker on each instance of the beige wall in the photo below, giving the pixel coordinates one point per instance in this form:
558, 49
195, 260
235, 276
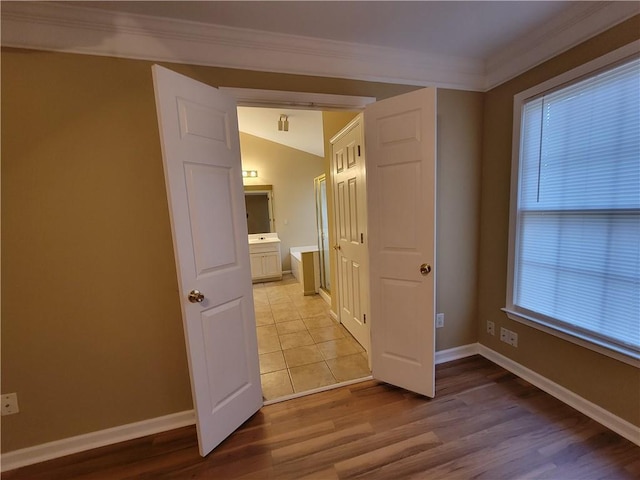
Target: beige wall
91, 329
610, 384
291, 172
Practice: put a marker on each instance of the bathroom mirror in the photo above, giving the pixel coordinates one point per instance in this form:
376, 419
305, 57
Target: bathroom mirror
258, 201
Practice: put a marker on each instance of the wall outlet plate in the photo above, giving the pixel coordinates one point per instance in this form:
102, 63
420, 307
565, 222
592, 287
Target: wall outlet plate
491, 327
513, 339
9, 403
439, 320
504, 335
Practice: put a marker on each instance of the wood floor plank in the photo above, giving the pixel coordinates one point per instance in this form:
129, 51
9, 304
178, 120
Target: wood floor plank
484, 423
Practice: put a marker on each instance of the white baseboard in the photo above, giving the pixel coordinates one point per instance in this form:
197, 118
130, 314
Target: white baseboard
80, 443
325, 296
333, 315
456, 353
628, 430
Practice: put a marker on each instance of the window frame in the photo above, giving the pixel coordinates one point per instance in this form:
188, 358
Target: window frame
605, 62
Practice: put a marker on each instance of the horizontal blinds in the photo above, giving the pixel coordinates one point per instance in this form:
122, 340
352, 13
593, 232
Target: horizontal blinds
578, 248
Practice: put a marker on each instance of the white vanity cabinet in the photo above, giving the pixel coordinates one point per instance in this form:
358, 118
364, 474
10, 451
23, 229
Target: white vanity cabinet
266, 260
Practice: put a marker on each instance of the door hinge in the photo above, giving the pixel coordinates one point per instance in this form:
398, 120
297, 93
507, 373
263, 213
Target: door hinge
362, 238
358, 150
364, 315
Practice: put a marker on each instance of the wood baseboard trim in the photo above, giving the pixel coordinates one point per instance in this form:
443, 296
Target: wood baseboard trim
626, 429
101, 438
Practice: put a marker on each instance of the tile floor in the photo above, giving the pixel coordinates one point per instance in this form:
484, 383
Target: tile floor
301, 347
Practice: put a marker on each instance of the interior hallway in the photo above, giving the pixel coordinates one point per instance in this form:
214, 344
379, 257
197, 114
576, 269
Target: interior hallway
301, 347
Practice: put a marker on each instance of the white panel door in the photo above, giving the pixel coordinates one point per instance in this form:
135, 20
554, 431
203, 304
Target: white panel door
201, 153
401, 192
348, 169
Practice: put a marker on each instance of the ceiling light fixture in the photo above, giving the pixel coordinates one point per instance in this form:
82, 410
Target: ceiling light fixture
250, 173
283, 123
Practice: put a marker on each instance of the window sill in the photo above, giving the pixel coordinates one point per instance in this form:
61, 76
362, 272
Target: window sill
626, 356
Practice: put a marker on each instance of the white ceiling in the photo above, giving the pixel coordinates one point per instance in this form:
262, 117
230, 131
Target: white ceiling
469, 29
471, 45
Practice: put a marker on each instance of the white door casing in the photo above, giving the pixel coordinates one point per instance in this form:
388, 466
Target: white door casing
401, 192
350, 207
201, 155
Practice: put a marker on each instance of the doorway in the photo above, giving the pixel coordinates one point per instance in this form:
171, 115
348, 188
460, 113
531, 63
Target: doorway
301, 345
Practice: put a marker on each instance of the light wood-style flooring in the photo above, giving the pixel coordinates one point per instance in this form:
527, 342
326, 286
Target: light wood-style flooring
483, 423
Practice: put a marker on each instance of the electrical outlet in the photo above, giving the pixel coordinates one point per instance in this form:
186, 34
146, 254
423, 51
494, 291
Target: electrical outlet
491, 327
10, 404
504, 335
440, 320
513, 339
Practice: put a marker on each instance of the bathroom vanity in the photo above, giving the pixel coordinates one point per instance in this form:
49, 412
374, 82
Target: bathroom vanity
266, 260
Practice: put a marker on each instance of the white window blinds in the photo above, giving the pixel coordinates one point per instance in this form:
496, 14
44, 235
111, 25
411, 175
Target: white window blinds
577, 246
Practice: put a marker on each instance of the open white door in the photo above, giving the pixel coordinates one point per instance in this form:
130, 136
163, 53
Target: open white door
350, 207
400, 136
201, 153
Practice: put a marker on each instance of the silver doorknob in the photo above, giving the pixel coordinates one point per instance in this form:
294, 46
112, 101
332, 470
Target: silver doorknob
425, 269
195, 296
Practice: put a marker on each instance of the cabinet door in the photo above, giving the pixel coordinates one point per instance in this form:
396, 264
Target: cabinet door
256, 265
271, 263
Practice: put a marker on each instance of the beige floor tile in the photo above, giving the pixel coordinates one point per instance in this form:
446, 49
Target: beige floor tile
297, 339
319, 321
295, 357
311, 310
284, 312
276, 384
276, 299
264, 319
271, 362
266, 330
308, 377
349, 367
290, 327
325, 334
268, 344
337, 348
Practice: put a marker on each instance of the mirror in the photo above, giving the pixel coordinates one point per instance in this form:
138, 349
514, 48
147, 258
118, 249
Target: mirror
258, 200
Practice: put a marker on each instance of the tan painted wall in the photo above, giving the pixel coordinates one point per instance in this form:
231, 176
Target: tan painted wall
91, 329
291, 172
610, 384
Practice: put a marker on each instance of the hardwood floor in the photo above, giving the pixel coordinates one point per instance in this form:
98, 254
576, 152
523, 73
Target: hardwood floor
483, 423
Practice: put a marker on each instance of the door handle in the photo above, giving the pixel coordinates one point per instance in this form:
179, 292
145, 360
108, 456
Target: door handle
425, 269
337, 247
195, 296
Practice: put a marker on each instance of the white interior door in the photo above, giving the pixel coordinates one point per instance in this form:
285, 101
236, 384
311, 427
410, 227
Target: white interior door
349, 191
400, 135
201, 153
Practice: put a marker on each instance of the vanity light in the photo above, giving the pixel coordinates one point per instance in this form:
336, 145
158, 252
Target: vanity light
249, 173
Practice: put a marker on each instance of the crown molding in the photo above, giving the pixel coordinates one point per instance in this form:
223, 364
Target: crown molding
576, 25
68, 28
64, 28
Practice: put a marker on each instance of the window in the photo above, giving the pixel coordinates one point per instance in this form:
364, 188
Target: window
574, 261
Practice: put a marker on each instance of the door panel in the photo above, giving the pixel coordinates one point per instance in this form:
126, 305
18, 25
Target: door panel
401, 153
201, 155
351, 225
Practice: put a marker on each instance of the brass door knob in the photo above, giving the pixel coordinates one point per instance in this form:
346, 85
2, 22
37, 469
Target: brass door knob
425, 269
337, 247
195, 296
